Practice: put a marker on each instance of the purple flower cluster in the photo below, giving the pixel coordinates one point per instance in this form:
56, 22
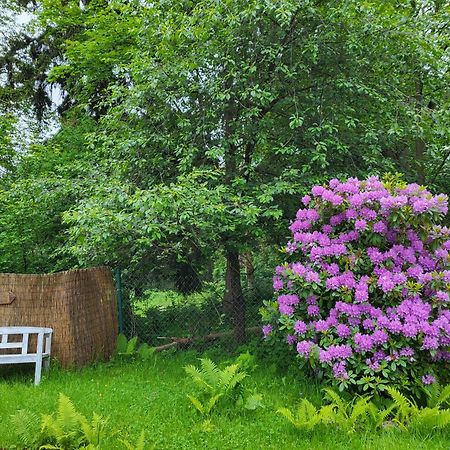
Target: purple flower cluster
286, 303
379, 267
428, 379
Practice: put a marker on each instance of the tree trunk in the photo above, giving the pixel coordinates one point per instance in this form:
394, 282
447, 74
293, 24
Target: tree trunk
234, 302
247, 260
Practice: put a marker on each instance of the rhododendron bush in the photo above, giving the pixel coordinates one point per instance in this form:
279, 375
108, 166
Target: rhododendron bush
364, 300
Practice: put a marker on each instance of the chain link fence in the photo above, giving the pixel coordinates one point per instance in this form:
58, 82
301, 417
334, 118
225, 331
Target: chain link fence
185, 305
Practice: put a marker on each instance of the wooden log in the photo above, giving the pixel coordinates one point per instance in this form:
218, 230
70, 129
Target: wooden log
209, 337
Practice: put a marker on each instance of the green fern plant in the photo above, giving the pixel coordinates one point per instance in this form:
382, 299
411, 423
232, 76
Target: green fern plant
307, 416
349, 416
362, 413
130, 349
437, 395
352, 415
214, 384
64, 429
27, 429
409, 416
125, 346
140, 443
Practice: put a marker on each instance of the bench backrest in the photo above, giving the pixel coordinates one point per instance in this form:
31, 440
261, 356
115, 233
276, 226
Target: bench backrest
22, 338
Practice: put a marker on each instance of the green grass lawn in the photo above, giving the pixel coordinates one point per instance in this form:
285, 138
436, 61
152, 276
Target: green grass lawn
151, 396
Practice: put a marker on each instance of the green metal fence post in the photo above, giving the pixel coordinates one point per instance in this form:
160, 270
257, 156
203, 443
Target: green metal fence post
118, 278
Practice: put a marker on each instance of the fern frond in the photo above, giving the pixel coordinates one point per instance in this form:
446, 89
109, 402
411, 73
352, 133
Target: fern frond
67, 417
359, 414
443, 419
360, 408
212, 402
306, 411
210, 371
131, 345
93, 432
381, 416
287, 414
198, 377
337, 401
140, 443
444, 396
404, 406
229, 378
122, 343
306, 418
27, 429
429, 419
197, 404
216, 383
327, 414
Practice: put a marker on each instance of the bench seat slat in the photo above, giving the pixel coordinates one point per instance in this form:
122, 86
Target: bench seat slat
11, 345
19, 359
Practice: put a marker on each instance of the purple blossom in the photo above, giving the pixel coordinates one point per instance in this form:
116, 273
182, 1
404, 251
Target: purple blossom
291, 247
291, 340
312, 276
373, 365
317, 191
410, 330
267, 329
277, 283
360, 225
407, 352
300, 327
428, 379
379, 227
368, 214
286, 304
304, 348
356, 200
343, 331
321, 326
368, 324
332, 269
375, 256
363, 341
351, 214
339, 371
430, 343
335, 352
380, 337
441, 296
313, 310
420, 206
306, 199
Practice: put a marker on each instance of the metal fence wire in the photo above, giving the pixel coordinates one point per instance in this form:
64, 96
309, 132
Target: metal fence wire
161, 309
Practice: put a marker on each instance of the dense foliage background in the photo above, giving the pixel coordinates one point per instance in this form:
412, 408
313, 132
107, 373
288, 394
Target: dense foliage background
179, 134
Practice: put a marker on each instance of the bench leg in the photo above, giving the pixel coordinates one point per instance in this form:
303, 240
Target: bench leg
46, 363
37, 372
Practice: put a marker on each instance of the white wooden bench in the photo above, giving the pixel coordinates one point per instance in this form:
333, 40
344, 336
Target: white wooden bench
9, 353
